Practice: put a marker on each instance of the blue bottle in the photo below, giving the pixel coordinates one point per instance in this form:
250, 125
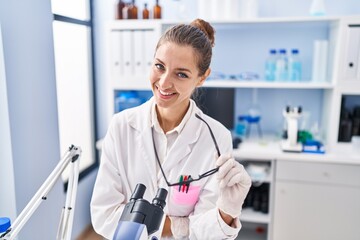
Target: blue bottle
270, 66
240, 128
281, 72
294, 66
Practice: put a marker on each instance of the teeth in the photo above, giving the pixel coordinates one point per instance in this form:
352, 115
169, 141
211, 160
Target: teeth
164, 93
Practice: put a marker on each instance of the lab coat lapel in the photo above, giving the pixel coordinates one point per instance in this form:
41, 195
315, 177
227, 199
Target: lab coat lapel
183, 145
140, 120
147, 148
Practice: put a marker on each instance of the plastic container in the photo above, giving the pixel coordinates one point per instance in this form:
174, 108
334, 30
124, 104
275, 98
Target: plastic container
317, 8
281, 72
294, 66
270, 66
240, 128
5, 224
125, 11
355, 142
345, 127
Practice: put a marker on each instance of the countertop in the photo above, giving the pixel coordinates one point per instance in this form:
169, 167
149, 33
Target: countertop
270, 149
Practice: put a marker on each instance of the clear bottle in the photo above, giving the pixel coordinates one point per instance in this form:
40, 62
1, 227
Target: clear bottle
317, 8
157, 10
125, 11
145, 12
270, 66
294, 66
281, 73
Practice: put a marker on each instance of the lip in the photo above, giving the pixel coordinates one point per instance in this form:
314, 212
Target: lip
165, 95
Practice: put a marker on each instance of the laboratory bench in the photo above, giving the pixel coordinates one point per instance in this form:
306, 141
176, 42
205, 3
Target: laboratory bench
342, 153
310, 195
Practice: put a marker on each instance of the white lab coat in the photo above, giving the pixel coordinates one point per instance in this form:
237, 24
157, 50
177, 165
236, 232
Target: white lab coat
128, 159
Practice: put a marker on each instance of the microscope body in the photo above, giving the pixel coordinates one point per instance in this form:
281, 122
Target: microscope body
141, 219
291, 144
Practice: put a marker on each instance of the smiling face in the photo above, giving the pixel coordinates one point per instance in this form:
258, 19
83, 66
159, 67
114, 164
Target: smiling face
174, 76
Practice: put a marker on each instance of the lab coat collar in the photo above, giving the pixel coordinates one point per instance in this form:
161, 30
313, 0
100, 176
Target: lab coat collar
183, 145
141, 121
155, 123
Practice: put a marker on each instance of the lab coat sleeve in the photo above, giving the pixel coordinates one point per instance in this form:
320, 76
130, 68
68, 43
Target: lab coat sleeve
206, 222
107, 199
212, 226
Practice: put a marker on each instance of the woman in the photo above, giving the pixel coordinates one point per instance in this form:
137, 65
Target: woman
169, 139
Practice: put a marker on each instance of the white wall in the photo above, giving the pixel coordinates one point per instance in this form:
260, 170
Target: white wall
7, 204
31, 96
29, 140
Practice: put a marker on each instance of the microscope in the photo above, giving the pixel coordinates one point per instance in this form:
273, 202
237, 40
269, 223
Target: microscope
290, 143
140, 219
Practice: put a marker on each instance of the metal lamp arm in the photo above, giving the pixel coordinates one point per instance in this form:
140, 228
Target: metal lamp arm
66, 221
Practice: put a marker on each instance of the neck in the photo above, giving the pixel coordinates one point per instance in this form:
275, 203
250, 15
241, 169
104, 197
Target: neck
170, 118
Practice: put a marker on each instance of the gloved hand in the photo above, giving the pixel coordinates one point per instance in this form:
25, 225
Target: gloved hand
234, 183
180, 227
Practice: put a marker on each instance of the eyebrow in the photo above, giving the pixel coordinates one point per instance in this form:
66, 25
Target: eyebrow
178, 69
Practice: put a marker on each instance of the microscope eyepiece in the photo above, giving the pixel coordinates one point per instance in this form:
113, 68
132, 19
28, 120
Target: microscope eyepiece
159, 199
138, 192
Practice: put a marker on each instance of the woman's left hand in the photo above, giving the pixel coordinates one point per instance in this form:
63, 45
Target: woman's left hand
234, 183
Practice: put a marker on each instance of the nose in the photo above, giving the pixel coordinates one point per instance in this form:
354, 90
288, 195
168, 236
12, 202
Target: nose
165, 81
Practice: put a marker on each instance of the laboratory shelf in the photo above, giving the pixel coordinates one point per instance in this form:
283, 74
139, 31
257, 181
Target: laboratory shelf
249, 215
142, 83
136, 83
250, 234
253, 231
271, 20
264, 84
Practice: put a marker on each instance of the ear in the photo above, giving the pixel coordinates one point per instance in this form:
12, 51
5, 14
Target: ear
203, 77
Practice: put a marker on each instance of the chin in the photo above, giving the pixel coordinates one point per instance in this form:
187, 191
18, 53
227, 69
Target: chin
163, 104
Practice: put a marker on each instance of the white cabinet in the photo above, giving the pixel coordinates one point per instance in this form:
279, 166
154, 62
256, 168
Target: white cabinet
350, 53
345, 71
257, 208
316, 201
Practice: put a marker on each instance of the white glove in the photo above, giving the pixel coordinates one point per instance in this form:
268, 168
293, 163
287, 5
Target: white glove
234, 183
180, 227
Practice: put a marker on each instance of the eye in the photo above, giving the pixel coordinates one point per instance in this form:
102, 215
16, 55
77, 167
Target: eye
182, 75
159, 66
